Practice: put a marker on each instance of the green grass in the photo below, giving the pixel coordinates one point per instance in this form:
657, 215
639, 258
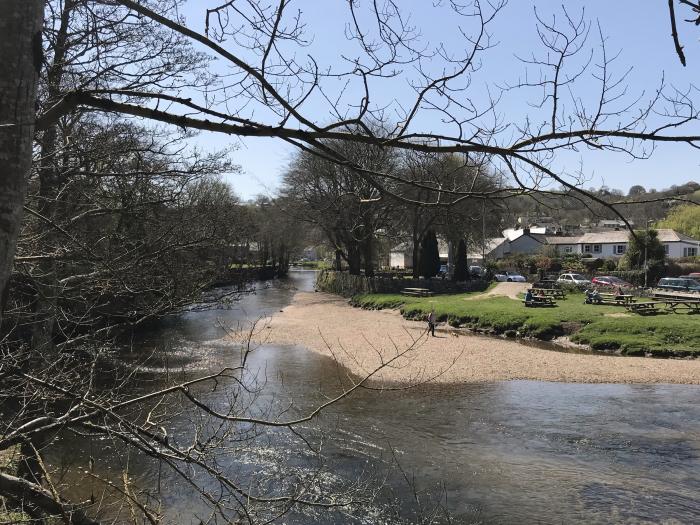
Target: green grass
661, 334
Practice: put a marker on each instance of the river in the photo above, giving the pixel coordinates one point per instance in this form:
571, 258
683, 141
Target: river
507, 452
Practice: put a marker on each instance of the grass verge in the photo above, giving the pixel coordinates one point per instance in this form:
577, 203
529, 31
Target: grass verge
602, 327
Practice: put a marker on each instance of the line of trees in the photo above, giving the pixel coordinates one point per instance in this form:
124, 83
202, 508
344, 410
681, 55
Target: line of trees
356, 218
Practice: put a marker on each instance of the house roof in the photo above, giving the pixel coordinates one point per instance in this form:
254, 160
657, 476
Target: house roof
490, 245
622, 236
560, 239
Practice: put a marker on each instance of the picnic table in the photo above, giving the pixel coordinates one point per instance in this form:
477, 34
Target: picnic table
672, 305
645, 307
546, 284
540, 300
417, 292
690, 305
616, 298
549, 292
684, 296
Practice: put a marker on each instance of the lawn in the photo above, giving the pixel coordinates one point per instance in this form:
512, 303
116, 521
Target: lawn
663, 334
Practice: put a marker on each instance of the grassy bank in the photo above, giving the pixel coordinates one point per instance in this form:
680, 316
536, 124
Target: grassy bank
608, 328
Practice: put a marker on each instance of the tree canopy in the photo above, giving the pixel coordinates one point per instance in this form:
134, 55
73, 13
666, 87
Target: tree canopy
684, 219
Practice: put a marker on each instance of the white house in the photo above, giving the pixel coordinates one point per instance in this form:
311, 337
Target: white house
602, 245
494, 248
613, 244
402, 255
513, 241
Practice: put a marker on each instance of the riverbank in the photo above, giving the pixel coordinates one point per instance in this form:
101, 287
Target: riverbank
361, 339
606, 328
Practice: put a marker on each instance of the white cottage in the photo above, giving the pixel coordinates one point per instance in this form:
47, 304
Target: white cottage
613, 244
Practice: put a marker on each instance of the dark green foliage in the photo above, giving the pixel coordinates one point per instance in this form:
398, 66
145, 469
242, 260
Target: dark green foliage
645, 249
636, 256
610, 265
461, 272
429, 255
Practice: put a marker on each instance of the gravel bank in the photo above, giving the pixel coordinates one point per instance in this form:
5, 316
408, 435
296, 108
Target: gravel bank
361, 339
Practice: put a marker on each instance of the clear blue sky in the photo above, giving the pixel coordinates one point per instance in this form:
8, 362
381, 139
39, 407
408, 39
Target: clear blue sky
640, 31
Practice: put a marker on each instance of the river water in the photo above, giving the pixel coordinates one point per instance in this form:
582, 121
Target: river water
508, 452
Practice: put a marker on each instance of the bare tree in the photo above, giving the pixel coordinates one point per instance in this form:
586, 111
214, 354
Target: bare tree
108, 61
20, 27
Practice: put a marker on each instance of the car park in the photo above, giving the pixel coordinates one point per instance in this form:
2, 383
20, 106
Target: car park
510, 277
679, 284
610, 281
573, 278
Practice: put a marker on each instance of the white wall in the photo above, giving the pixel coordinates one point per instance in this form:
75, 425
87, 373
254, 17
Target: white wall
400, 260
675, 249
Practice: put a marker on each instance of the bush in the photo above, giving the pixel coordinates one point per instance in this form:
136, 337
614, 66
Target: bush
610, 265
683, 266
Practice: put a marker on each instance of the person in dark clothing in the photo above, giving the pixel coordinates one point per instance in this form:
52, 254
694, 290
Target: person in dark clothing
431, 323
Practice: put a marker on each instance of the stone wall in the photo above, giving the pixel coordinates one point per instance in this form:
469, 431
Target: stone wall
342, 283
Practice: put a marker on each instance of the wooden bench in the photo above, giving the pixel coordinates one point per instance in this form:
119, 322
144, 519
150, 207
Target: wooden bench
540, 300
417, 292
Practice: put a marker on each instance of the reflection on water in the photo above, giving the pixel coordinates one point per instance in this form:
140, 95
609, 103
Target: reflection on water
520, 451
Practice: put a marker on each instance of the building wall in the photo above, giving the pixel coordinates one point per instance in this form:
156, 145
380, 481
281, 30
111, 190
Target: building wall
603, 250
675, 249
608, 250
400, 260
563, 249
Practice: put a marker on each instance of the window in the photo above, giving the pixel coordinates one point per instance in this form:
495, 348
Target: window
666, 249
690, 252
587, 248
620, 249
568, 249
597, 248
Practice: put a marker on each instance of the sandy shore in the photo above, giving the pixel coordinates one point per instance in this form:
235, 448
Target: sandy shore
363, 339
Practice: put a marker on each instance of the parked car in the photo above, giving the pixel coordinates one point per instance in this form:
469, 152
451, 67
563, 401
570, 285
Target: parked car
679, 284
693, 276
510, 277
610, 281
476, 271
573, 278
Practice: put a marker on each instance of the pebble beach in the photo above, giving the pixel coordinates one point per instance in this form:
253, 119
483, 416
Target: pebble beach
361, 340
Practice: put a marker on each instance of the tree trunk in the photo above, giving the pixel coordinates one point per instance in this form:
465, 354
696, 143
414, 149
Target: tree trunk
20, 49
367, 256
49, 187
338, 261
416, 260
354, 260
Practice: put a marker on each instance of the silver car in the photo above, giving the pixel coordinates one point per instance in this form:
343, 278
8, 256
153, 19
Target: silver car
510, 277
574, 278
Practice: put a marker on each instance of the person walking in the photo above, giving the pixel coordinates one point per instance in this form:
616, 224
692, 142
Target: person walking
431, 322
